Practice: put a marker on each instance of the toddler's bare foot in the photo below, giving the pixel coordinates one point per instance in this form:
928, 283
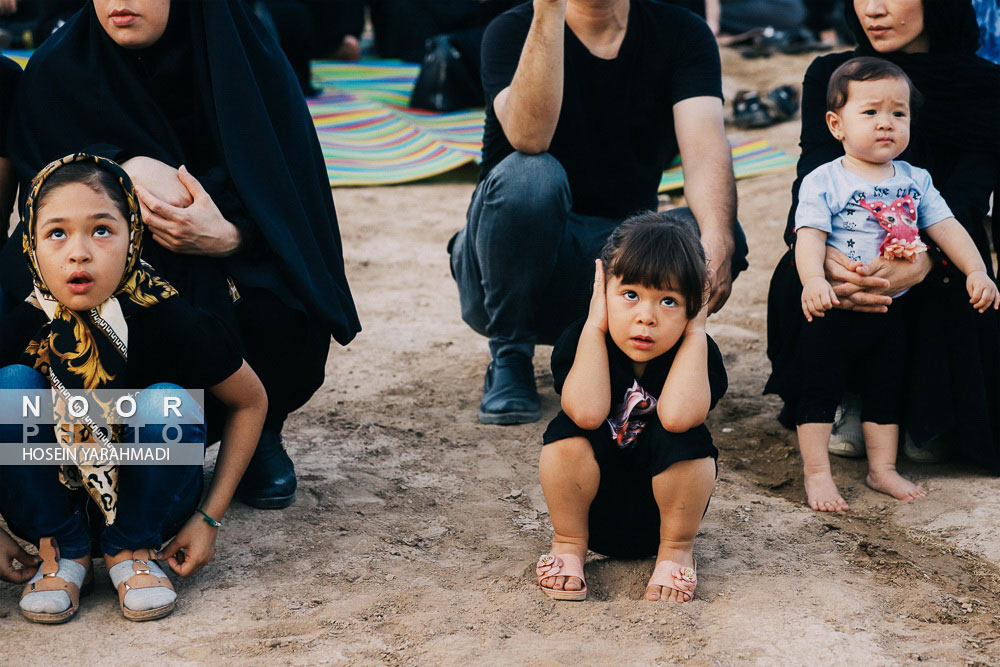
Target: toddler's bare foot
891, 483
822, 492
565, 583
684, 557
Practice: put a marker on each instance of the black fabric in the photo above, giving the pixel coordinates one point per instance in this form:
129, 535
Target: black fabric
860, 350
10, 74
955, 352
231, 108
172, 342
615, 134
402, 26
624, 519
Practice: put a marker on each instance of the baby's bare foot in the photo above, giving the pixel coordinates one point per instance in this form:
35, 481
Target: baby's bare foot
893, 484
565, 583
822, 493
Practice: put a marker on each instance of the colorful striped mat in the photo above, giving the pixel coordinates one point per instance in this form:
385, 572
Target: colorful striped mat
370, 137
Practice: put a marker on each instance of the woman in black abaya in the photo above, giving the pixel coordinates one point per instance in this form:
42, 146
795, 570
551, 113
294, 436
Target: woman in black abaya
247, 229
953, 406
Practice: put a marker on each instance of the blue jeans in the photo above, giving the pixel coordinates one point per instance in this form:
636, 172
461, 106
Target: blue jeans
154, 501
524, 261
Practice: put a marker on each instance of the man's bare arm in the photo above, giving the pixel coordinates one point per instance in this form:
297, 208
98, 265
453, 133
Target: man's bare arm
709, 186
528, 109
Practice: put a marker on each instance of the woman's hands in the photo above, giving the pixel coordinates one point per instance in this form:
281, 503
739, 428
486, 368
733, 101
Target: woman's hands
192, 548
197, 229
11, 551
597, 317
867, 288
179, 212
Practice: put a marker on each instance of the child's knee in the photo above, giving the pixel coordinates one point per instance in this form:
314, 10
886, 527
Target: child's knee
19, 376
567, 451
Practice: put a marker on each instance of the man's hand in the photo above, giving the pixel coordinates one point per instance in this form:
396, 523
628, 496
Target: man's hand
8, 6
11, 551
192, 549
197, 229
719, 251
709, 186
597, 317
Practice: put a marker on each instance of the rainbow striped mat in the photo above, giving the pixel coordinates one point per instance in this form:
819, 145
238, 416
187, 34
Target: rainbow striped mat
370, 137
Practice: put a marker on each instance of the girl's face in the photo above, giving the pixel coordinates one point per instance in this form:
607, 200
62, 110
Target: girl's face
644, 322
81, 244
133, 24
893, 25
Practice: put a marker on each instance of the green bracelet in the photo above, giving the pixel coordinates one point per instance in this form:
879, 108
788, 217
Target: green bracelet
209, 520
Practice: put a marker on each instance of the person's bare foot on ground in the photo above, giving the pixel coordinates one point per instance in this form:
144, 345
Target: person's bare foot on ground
565, 583
891, 483
822, 493
349, 49
684, 557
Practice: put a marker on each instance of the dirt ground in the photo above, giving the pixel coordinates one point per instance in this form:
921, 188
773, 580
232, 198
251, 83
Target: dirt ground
416, 529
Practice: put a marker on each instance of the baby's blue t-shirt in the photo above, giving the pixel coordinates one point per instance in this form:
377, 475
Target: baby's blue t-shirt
830, 200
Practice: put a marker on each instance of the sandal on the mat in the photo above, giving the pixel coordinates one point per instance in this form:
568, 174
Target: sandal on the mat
670, 574
48, 551
783, 102
143, 578
561, 565
749, 111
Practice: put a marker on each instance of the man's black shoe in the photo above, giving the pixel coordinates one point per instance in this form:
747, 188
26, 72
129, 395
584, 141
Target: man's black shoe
509, 394
269, 482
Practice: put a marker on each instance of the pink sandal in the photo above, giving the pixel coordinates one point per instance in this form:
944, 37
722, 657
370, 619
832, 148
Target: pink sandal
563, 565
673, 575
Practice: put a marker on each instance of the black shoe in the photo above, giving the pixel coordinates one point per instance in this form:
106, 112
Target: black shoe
509, 394
269, 482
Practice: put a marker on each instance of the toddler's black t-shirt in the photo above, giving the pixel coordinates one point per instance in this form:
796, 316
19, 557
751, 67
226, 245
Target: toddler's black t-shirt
170, 342
615, 134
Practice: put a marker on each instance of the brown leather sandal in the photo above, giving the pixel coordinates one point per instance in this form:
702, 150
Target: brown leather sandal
143, 579
48, 551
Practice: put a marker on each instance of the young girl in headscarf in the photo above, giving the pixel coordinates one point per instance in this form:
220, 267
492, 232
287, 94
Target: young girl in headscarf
104, 319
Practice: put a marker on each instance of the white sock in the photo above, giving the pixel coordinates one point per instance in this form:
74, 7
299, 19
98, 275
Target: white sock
142, 599
54, 602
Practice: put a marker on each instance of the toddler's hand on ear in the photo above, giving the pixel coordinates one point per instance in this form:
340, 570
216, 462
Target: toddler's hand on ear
598, 315
982, 291
817, 297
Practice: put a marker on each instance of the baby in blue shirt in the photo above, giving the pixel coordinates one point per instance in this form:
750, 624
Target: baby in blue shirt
866, 204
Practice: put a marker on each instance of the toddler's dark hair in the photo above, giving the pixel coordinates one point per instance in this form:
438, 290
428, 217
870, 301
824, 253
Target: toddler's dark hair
660, 251
866, 68
90, 174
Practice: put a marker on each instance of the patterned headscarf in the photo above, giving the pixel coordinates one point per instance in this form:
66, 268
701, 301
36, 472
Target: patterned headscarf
89, 350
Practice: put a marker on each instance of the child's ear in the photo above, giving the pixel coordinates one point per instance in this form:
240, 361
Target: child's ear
834, 125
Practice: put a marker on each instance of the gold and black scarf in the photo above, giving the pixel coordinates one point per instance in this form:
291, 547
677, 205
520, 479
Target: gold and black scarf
89, 350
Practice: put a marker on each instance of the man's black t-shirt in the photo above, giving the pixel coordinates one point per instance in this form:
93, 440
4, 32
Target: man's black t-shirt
10, 73
170, 342
615, 134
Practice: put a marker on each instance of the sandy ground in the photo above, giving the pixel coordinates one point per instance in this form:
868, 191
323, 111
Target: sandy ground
416, 529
